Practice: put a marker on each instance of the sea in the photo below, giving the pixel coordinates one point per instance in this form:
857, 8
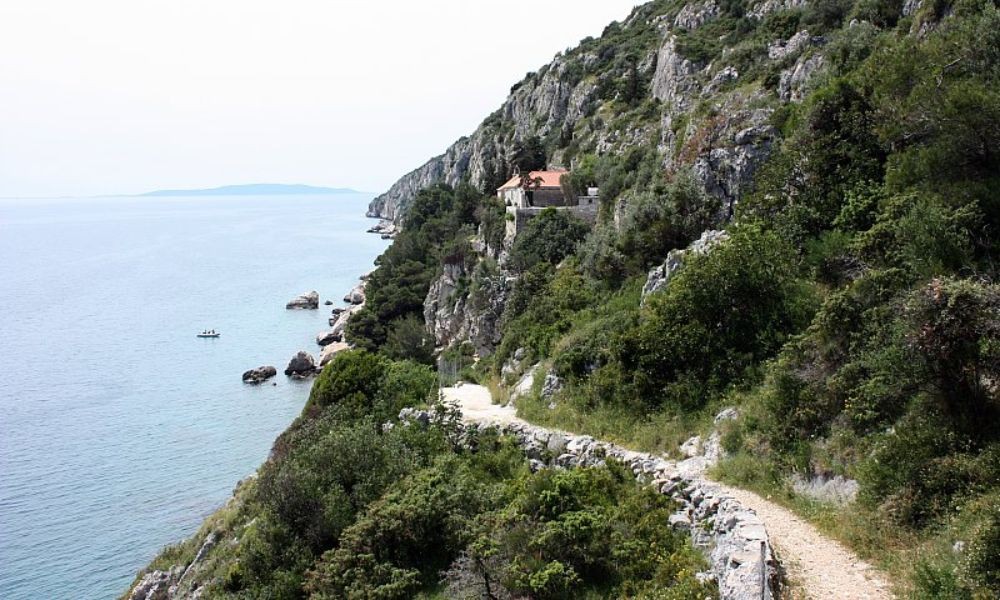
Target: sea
120, 430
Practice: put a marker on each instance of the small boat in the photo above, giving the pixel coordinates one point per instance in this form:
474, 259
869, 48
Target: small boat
209, 334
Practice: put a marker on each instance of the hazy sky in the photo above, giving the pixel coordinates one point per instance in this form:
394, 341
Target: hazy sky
125, 96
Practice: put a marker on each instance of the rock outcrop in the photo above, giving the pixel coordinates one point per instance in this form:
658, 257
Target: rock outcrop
356, 295
259, 375
453, 313
659, 277
330, 351
307, 301
794, 82
301, 366
156, 585
557, 100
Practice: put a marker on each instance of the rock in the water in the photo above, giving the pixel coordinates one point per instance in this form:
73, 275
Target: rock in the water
328, 303
259, 375
330, 351
309, 301
302, 365
357, 295
325, 338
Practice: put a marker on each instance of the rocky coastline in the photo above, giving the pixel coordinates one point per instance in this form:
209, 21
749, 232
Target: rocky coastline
303, 364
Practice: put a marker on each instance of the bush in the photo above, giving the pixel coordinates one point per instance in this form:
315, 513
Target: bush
719, 317
981, 563
566, 532
549, 237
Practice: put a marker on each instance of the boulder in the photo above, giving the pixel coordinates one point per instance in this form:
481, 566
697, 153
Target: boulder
692, 447
325, 338
357, 295
301, 366
259, 375
308, 301
552, 385
328, 303
328, 352
339, 323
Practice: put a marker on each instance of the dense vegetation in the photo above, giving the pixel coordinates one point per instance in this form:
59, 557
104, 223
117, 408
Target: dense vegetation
436, 230
354, 503
851, 316
852, 312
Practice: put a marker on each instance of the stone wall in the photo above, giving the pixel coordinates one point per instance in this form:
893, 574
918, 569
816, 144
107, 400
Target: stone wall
519, 217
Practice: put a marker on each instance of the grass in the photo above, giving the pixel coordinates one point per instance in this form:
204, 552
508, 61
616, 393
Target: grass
922, 564
658, 432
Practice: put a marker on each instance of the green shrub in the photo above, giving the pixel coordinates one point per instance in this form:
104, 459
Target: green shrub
549, 237
719, 317
981, 563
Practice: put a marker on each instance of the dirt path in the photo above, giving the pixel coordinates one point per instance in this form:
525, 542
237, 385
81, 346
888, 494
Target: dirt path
819, 566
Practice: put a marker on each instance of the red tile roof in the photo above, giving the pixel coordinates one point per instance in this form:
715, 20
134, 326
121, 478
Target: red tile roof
550, 179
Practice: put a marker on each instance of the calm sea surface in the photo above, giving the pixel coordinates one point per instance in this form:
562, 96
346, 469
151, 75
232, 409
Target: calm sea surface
119, 429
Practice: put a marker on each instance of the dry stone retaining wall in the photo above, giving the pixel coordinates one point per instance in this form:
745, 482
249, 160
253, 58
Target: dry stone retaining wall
732, 537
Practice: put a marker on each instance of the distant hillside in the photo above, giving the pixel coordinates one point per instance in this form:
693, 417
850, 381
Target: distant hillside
255, 189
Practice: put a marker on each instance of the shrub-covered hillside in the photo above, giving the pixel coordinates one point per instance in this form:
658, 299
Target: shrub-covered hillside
851, 151
800, 211
354, 503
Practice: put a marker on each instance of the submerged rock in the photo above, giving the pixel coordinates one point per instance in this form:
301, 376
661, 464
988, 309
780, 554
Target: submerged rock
259, 375
308, 301
301, 366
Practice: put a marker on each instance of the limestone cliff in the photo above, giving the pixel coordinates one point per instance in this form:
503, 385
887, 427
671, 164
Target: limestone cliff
697, 113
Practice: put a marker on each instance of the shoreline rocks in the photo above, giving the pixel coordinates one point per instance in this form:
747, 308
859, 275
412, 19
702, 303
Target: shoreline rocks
259, 375
307, 301
356, 295
301, 366
387, 229
331, 351
325, 338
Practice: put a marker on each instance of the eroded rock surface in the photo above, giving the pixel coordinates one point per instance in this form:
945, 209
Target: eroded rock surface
658, 278
301, 365
307, 301
259, 375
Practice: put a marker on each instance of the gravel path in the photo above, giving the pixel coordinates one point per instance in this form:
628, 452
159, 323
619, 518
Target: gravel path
819, 566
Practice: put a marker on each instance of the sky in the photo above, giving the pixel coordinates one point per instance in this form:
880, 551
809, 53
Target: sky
128, 96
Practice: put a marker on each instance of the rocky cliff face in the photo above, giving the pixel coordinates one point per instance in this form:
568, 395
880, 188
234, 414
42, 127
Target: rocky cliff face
705, 117
698, 115
454, 313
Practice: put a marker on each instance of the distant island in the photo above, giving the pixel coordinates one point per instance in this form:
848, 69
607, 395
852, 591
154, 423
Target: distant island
255, 189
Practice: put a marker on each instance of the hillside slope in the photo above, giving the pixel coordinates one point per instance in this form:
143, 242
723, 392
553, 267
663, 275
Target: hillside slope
798, 229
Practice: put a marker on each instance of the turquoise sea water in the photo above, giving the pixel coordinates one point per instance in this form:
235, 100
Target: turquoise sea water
119, 429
